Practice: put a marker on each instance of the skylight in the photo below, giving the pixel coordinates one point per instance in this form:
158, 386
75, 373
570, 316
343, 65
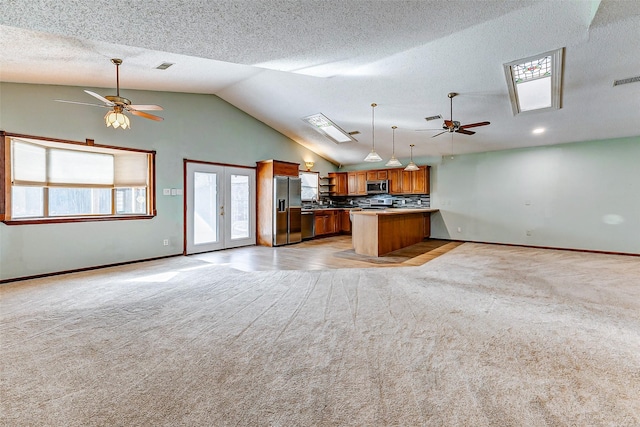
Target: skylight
535, 83
329, 129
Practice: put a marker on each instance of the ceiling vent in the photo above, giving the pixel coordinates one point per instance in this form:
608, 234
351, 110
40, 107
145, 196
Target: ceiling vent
439, 116
164, 65
626, 81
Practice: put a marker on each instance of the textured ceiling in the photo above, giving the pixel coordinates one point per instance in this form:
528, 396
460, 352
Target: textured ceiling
282, 60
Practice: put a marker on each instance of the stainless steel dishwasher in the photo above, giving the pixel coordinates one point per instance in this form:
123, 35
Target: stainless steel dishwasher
308, 231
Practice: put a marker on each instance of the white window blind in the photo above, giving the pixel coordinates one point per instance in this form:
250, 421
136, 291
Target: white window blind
131, 170
78, 167
29, 163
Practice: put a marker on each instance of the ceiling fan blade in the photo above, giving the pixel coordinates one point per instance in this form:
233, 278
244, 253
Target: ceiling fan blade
464, 131
424, 130
146, 115
144, 107
473, 125
82, 103
101, 98
439, 134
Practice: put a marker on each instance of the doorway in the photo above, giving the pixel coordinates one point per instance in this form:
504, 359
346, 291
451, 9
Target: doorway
220, 207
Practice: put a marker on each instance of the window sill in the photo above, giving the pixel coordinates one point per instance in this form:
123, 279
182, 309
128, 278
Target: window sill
57, 220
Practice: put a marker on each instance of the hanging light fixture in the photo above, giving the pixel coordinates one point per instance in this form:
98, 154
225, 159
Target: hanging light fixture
117, 119
412, 166
393, 161
373, 156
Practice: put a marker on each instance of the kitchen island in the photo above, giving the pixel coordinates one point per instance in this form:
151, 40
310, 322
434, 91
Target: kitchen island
378, 232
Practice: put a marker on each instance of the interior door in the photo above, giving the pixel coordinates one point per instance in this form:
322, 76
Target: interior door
219, 207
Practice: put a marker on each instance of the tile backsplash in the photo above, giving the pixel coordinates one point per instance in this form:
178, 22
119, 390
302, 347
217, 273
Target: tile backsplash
407, 201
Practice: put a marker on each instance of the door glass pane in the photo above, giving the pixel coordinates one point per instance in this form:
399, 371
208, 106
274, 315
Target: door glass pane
239, 206
205, 209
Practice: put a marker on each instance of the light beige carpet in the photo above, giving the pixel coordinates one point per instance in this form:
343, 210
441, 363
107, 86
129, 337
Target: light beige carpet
481, 336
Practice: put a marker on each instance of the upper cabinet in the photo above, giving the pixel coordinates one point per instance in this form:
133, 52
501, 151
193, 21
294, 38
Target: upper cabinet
409, 182
339, 183
400, 181
357, 183
281, 168
377, 175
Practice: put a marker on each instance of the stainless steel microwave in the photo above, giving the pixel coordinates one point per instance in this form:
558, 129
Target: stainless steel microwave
379, 186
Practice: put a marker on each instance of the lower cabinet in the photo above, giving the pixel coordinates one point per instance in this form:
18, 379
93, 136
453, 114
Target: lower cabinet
427, 225
345, 222
327, 222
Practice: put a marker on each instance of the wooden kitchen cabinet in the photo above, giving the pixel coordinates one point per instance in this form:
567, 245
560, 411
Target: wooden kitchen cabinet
427, 225
340, 183
409, 182
357, 183
377, 175
395, 181
345, 222
326, 222
420, 181
281, 168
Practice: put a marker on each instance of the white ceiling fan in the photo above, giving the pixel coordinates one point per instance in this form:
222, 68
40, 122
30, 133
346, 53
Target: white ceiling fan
116, 116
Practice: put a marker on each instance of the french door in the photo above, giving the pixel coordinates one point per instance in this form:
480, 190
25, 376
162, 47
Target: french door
220, 207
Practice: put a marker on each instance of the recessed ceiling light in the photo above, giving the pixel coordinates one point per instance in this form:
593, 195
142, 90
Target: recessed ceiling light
538, 130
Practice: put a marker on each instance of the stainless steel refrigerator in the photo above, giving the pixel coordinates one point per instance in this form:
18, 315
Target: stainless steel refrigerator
287, 215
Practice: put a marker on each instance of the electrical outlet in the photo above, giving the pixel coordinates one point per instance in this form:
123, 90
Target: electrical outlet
459, 229
166, 191
165, 242
529, 232
419, 202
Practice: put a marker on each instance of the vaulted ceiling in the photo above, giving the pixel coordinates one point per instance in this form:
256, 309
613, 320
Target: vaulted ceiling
282, 60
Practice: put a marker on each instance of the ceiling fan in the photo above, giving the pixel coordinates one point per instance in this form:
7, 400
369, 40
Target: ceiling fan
116, 116
451, 125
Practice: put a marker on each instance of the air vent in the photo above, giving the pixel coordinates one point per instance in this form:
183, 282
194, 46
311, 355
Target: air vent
433, 117
625, 81
164, 65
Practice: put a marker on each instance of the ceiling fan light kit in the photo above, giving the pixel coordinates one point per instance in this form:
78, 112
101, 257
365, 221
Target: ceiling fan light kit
116, 117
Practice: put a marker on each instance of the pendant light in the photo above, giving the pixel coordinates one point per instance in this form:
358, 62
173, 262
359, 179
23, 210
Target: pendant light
393, 162
373, 156
412, 166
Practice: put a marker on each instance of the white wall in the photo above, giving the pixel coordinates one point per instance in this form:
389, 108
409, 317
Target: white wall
581, 196
196, 127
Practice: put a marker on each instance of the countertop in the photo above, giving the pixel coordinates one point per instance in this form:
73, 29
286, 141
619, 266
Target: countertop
329, 209
394, 211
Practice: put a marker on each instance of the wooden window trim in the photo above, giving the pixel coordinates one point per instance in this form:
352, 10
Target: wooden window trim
5, 180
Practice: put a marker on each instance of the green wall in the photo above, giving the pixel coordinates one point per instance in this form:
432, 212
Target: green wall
196, 127
583, 195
